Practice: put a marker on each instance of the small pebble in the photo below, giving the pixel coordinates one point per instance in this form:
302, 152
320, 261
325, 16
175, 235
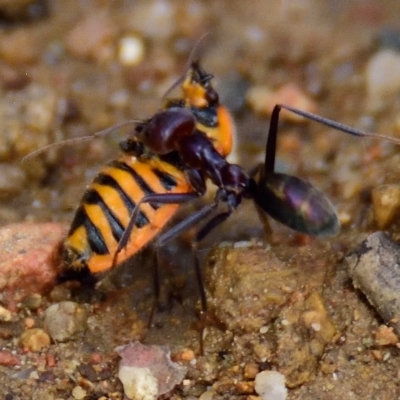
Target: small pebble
185, 355
139, 383
96, 358
270, 385
65, 319
34, 375
262, 100
34, 339
382, 78
5, 315
264, 329
33, 301
386, 204
8, 359
374, 267
131, 50
51, 360
251, 370
78, 393
29, 323
377, 354
208, 395
385, 336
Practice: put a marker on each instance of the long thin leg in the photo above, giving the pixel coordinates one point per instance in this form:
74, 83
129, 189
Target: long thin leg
270, 151
178, 229
173, 232
186, 224
162, 198
201, 234
156, 288
337, 125
167, 198
204, 231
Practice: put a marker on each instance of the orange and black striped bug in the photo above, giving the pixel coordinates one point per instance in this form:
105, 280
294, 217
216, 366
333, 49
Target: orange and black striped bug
167, 162
108, 203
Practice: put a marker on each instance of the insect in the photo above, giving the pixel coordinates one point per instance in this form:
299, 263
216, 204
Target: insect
107, 205
167, 162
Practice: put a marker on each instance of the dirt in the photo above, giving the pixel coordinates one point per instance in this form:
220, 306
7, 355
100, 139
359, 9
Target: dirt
286, 305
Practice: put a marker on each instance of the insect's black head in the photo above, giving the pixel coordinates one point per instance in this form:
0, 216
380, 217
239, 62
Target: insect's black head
197, 89
234, 178
235, 184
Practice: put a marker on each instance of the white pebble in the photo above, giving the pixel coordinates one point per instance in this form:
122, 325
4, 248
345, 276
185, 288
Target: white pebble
316, 326
270, 385
131, 50
139, 383
264, 329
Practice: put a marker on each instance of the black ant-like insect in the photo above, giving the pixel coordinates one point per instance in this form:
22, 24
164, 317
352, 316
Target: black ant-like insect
290, 200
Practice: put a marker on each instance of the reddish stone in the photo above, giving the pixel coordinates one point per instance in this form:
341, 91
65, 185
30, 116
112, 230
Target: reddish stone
7, 359
30, 256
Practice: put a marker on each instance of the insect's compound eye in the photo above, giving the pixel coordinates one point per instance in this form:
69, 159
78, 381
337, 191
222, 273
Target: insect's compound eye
165, 129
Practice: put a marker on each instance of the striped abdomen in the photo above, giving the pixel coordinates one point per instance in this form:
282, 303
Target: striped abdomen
107, 204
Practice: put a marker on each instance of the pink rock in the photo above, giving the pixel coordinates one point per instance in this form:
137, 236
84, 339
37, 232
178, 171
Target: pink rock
148, 370
29, 258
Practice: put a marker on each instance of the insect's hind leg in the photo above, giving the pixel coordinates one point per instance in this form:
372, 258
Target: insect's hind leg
170, 234
200, 235
164, 198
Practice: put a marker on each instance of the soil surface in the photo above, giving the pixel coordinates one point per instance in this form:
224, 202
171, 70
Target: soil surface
69, 69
